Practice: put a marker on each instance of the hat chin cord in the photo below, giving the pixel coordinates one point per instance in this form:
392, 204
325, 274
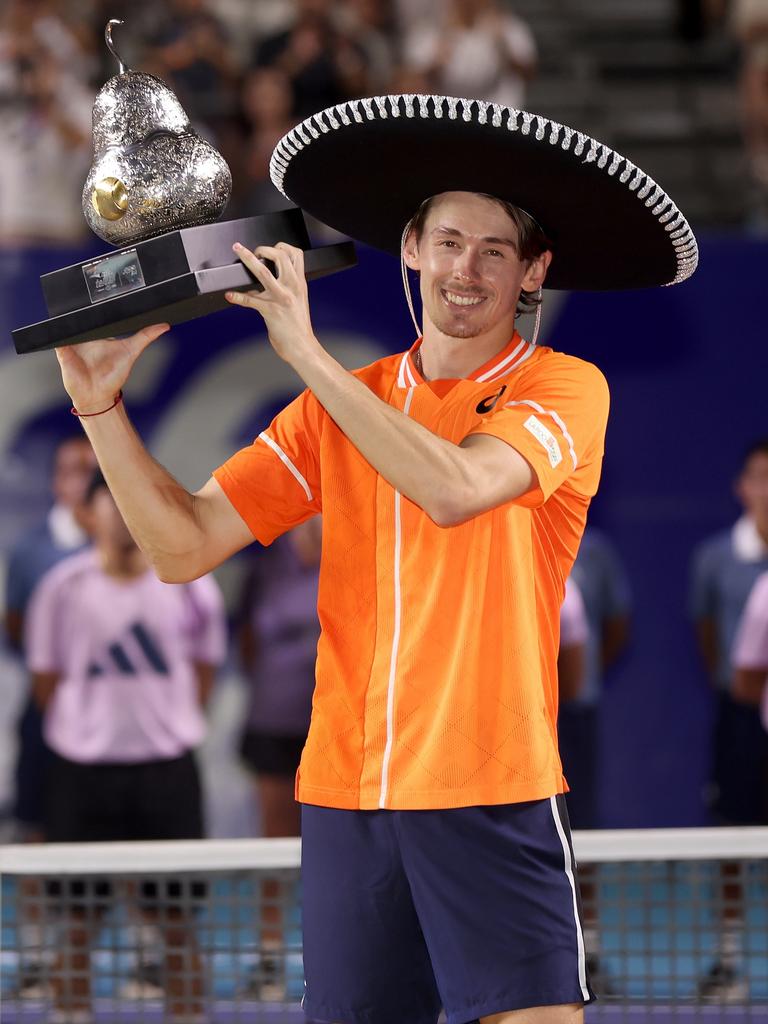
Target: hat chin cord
537, 321
406, 282
409, 296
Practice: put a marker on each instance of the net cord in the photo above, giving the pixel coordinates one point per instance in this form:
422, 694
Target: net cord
594, 847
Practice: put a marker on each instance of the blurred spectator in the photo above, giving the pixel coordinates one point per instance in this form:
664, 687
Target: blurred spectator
697, 18
33, 554
30, 558
475, 49
246, 21
411, 13
604, 587
45, 121
191, 52
323, 66
122, 666
368, 24
602, 583
267, 103
278, 643
574, 633
750, 669
725, 568
58, 30
750, 21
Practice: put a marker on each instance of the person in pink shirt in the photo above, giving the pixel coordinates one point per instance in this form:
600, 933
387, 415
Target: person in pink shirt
122, 665
750, 663
574, 634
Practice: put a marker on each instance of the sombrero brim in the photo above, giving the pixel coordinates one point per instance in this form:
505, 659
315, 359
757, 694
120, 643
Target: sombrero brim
365, 166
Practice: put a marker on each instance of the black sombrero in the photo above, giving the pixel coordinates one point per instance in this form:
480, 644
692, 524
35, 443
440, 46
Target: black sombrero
365, 166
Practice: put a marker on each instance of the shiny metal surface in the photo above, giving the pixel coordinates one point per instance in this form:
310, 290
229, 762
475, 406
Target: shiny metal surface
170, 178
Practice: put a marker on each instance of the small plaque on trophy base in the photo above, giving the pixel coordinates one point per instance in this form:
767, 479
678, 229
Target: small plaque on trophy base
174, 277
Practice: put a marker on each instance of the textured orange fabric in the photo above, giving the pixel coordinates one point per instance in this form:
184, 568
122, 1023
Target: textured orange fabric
436, 672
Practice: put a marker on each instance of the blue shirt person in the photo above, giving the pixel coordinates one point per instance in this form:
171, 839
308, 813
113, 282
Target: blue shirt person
602, 581
724, 570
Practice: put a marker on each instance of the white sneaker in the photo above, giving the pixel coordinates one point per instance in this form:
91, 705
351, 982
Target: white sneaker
141, 990
145, 984
723, 984
59, 1015
34, 984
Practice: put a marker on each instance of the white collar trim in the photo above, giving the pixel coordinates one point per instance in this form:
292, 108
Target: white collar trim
748, 545
407, 379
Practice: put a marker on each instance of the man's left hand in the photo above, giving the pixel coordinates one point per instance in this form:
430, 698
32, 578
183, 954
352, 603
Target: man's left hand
284, 302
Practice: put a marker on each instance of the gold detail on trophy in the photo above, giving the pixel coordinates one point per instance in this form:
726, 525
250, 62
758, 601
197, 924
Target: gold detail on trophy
110, 198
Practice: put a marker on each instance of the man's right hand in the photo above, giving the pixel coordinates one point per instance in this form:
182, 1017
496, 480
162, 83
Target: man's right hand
94, 372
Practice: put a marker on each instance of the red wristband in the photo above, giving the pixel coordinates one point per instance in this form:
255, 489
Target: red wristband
83, 415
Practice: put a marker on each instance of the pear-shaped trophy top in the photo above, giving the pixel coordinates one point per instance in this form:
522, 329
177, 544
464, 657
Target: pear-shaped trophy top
151, 172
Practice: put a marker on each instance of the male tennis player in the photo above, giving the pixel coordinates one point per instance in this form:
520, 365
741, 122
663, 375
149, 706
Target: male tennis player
454, 481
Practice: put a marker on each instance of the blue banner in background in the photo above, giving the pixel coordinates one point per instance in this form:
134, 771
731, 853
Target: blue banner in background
687, 369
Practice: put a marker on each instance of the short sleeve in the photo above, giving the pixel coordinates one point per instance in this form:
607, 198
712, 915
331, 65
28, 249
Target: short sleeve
209, 635
750, 647
574, 628
274, 483
556, 419
41, 626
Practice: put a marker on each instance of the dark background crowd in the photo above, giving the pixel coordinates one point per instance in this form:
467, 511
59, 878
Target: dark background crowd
646, 78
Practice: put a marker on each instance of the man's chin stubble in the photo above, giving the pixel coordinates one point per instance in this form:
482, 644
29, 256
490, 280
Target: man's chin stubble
453, 329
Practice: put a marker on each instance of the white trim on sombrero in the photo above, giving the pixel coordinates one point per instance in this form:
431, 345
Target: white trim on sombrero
554, 416
542, 128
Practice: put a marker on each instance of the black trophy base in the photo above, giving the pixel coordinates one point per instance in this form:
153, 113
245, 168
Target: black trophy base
172, 278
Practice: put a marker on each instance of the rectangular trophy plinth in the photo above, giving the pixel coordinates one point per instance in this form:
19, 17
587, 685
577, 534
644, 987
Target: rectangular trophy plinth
172, 278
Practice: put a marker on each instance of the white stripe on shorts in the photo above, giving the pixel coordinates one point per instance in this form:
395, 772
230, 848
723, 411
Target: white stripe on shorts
569, 868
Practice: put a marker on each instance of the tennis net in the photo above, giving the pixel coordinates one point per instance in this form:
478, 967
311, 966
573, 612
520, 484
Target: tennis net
676, 929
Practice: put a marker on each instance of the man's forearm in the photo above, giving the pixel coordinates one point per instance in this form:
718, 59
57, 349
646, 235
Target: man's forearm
430, 471
158, 511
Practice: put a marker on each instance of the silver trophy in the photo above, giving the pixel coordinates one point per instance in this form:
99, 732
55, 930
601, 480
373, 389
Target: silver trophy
151, 171
156, 189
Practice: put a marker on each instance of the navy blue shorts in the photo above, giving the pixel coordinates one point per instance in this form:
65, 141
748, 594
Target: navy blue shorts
475, 909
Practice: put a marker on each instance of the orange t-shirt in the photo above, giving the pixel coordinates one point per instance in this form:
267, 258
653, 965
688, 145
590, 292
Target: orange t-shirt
437, 663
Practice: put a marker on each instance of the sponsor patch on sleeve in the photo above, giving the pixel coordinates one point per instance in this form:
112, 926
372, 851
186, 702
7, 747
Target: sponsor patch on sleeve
546, 438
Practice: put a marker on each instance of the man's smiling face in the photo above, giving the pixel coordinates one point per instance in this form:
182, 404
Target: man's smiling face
471, 274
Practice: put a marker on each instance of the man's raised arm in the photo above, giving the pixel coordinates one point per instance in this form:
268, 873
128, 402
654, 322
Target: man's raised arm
183, 535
